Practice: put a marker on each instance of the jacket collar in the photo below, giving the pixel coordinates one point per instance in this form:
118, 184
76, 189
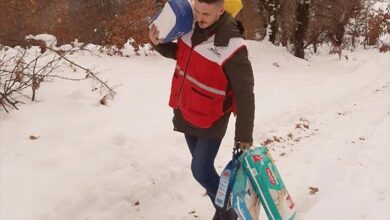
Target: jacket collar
224, 29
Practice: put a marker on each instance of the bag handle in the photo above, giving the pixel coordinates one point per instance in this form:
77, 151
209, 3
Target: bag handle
237, 151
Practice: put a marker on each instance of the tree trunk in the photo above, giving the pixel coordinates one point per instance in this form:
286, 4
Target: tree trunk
300, 32
274, 30
340, 31
273, 7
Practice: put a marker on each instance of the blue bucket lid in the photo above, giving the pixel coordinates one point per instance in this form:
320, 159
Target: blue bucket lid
184, 19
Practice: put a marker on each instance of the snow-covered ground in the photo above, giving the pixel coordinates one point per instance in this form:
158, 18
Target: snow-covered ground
326, 121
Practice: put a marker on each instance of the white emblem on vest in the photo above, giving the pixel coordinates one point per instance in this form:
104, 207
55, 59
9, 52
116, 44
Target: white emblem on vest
213, 53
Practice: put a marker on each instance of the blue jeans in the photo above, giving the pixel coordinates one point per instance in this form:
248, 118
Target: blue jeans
203, 153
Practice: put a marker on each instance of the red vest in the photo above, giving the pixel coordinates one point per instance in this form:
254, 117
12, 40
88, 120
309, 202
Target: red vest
199, 85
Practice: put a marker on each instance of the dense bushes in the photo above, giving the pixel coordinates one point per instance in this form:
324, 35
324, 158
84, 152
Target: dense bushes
296, 24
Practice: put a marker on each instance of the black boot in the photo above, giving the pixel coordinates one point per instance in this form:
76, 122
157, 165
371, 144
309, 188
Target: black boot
228, 215
217, 215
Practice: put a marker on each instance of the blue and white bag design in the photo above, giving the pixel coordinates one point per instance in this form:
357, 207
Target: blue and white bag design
226, 181
174, 20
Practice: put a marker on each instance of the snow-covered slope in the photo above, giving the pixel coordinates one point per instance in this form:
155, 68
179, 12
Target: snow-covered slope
326, 121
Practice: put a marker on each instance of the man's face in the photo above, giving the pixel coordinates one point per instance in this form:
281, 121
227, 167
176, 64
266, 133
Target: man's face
207, 14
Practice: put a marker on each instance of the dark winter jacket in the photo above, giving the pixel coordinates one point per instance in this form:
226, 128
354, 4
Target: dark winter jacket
238, 71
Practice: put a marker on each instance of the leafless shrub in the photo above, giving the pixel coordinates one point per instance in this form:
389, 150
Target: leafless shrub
22, 72
19, 74
384, 48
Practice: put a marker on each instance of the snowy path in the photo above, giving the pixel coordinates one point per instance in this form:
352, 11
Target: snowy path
327, 122
351, 170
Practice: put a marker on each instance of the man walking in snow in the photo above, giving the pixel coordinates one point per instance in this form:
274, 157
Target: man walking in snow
213, 78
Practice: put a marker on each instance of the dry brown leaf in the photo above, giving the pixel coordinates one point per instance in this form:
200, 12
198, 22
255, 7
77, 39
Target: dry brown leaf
19, 76
35, 85
277, 139
267, 142
103, 101
33, 137
313, 190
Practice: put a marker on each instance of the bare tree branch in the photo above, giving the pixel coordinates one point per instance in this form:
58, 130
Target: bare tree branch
20, 73
88, 71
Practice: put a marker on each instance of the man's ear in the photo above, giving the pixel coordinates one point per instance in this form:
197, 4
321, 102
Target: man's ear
221, 10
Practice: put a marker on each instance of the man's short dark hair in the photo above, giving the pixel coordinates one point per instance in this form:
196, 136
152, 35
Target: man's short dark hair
212, 1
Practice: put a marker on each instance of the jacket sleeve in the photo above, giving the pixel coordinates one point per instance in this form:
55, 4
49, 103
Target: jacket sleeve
168, 50
239, 71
